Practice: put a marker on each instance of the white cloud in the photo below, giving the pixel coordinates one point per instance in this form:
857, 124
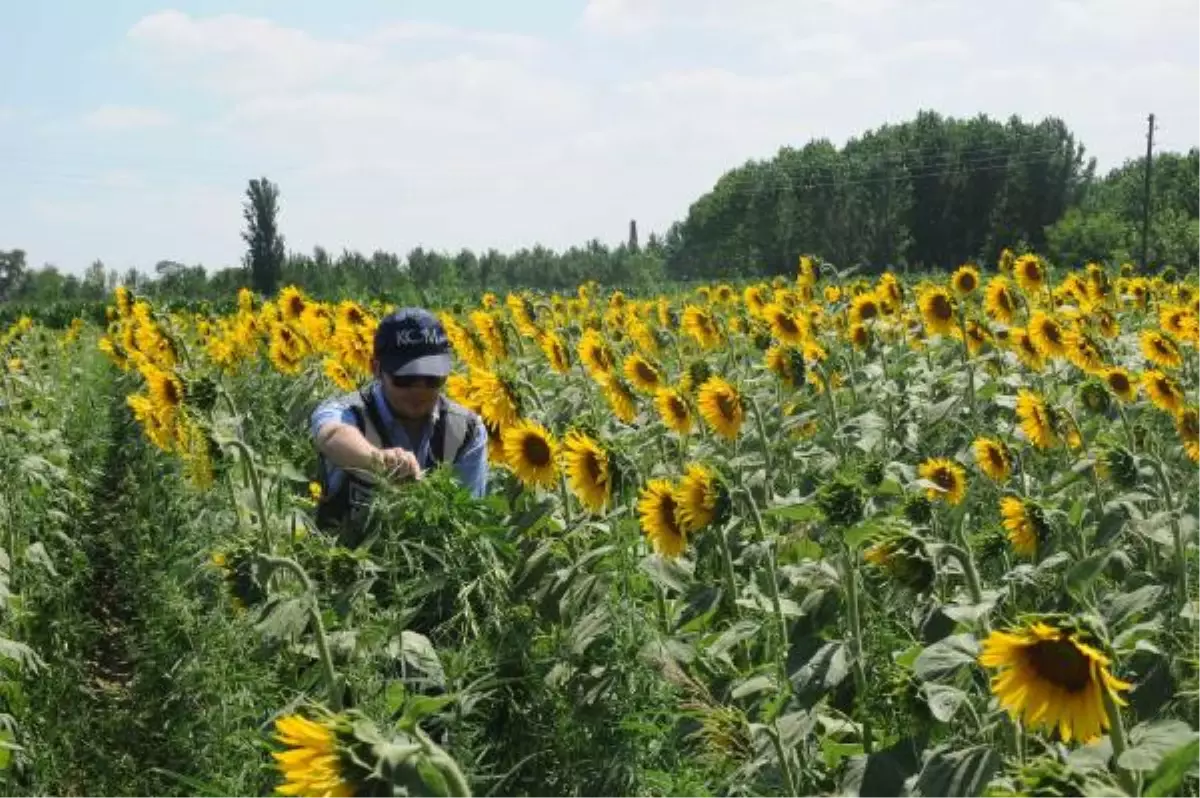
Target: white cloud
125, 117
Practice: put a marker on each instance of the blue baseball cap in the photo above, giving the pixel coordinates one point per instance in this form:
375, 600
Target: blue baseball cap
413, 342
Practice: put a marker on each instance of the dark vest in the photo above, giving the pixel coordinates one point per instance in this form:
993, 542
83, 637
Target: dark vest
344, 511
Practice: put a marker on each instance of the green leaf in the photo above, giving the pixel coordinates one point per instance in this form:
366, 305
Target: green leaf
965, 772
839, 666
795, 512
946, 656
742, 630
1084, 572
943, 700
881, 773
420, 707
753, 685
1126, 606
36, 554
24, 656
1149, 743
1177, 766
673, 575
1111, 524
419, 653
588, 629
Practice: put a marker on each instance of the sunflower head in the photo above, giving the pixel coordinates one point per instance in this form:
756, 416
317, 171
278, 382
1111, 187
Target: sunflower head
965, 280
1187, 424
589, 470
841, 499
1119, 465
1053, 675
658, 511
993, 458
937, 311
1025, 523
904, 559
1030, 273
918, 509
948, 476
721, 406
674, 410
703, 498
531, 452
1094, 395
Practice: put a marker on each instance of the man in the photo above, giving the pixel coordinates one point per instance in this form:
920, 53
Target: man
399, 425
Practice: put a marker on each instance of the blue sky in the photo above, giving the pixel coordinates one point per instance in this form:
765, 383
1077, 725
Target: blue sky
128, 130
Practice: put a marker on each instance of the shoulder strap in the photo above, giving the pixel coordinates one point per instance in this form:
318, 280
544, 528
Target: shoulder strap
368, 405
455, 428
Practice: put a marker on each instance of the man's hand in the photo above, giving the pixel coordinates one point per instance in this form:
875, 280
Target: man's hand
399, 463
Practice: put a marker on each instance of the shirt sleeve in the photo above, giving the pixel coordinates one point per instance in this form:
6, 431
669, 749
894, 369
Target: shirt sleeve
335, 409
472, 465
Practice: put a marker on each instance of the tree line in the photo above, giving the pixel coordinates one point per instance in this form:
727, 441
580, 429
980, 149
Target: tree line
926, 194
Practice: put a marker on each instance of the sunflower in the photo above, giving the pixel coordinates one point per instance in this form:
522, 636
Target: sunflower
1024, 523
863, 308
555, 351
998, 300
1173, 319
1163, 391
937, 311
947, 475
965, 279
1084, 353
588, 473
754, 298
644, 375
1160, 349
620, 397
698, 496
312, 764
595, 354
701, 326
787, 363
337, 374
1048, 335
498, 402
286, 350
531, 453
658, 510
859, 336
1027, 351
832, 294
1035, 418
165, 389
1030, 274
1121, 384
993, 458
788, 327
721, 406
1051, 677
292, 303
1187, 424
674, 410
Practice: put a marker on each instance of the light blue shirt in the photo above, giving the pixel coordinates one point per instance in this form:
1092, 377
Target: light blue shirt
472, 465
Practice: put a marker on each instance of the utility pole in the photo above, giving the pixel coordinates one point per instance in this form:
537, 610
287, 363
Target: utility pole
1146, 190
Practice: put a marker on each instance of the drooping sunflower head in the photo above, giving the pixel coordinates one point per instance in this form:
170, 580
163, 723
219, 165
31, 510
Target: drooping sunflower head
1037, 422
1160, 349
998, 301
1025, 523
165, 389
620, 396
531, 452
787, 362
721, 407
949, 477
643, 374
1030, 273
965, 280
1187, 424
860, 336
1094, 395
702, 498
658, 511
904, 559
1163, 391
595, 353
993, 458
496, 394
841, 499
588, 470
1053, 676
312, 762
1118, 464
1027, 351
937, 311
673, 409
1048, 335
696, 374
556, 353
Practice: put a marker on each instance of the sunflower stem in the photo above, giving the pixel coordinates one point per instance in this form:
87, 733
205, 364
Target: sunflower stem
772, 576
727, 567
785, 763
1117, 736
445, 764
860, 675
1176, 530
762, 434
833, 414
251, 472
314, 611
565, 495
966, 358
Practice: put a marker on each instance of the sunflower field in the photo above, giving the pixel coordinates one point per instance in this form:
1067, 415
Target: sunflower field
827, 534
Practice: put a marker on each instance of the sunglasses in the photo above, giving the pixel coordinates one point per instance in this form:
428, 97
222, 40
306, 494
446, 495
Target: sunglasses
415, 381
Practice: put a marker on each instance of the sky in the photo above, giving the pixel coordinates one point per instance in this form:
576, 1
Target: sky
129, 129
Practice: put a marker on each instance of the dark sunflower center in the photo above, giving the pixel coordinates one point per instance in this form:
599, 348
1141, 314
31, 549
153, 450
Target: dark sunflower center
966, 282
944, 478
996, 457
941, 307
666, 513
678, 408
1033, 272
1060, 663
646, 372
171, 393
1118, 382
591, 465
867, 310
1051, 331
536, 451
726, 405
786, 323
1004, 300
1163, 347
